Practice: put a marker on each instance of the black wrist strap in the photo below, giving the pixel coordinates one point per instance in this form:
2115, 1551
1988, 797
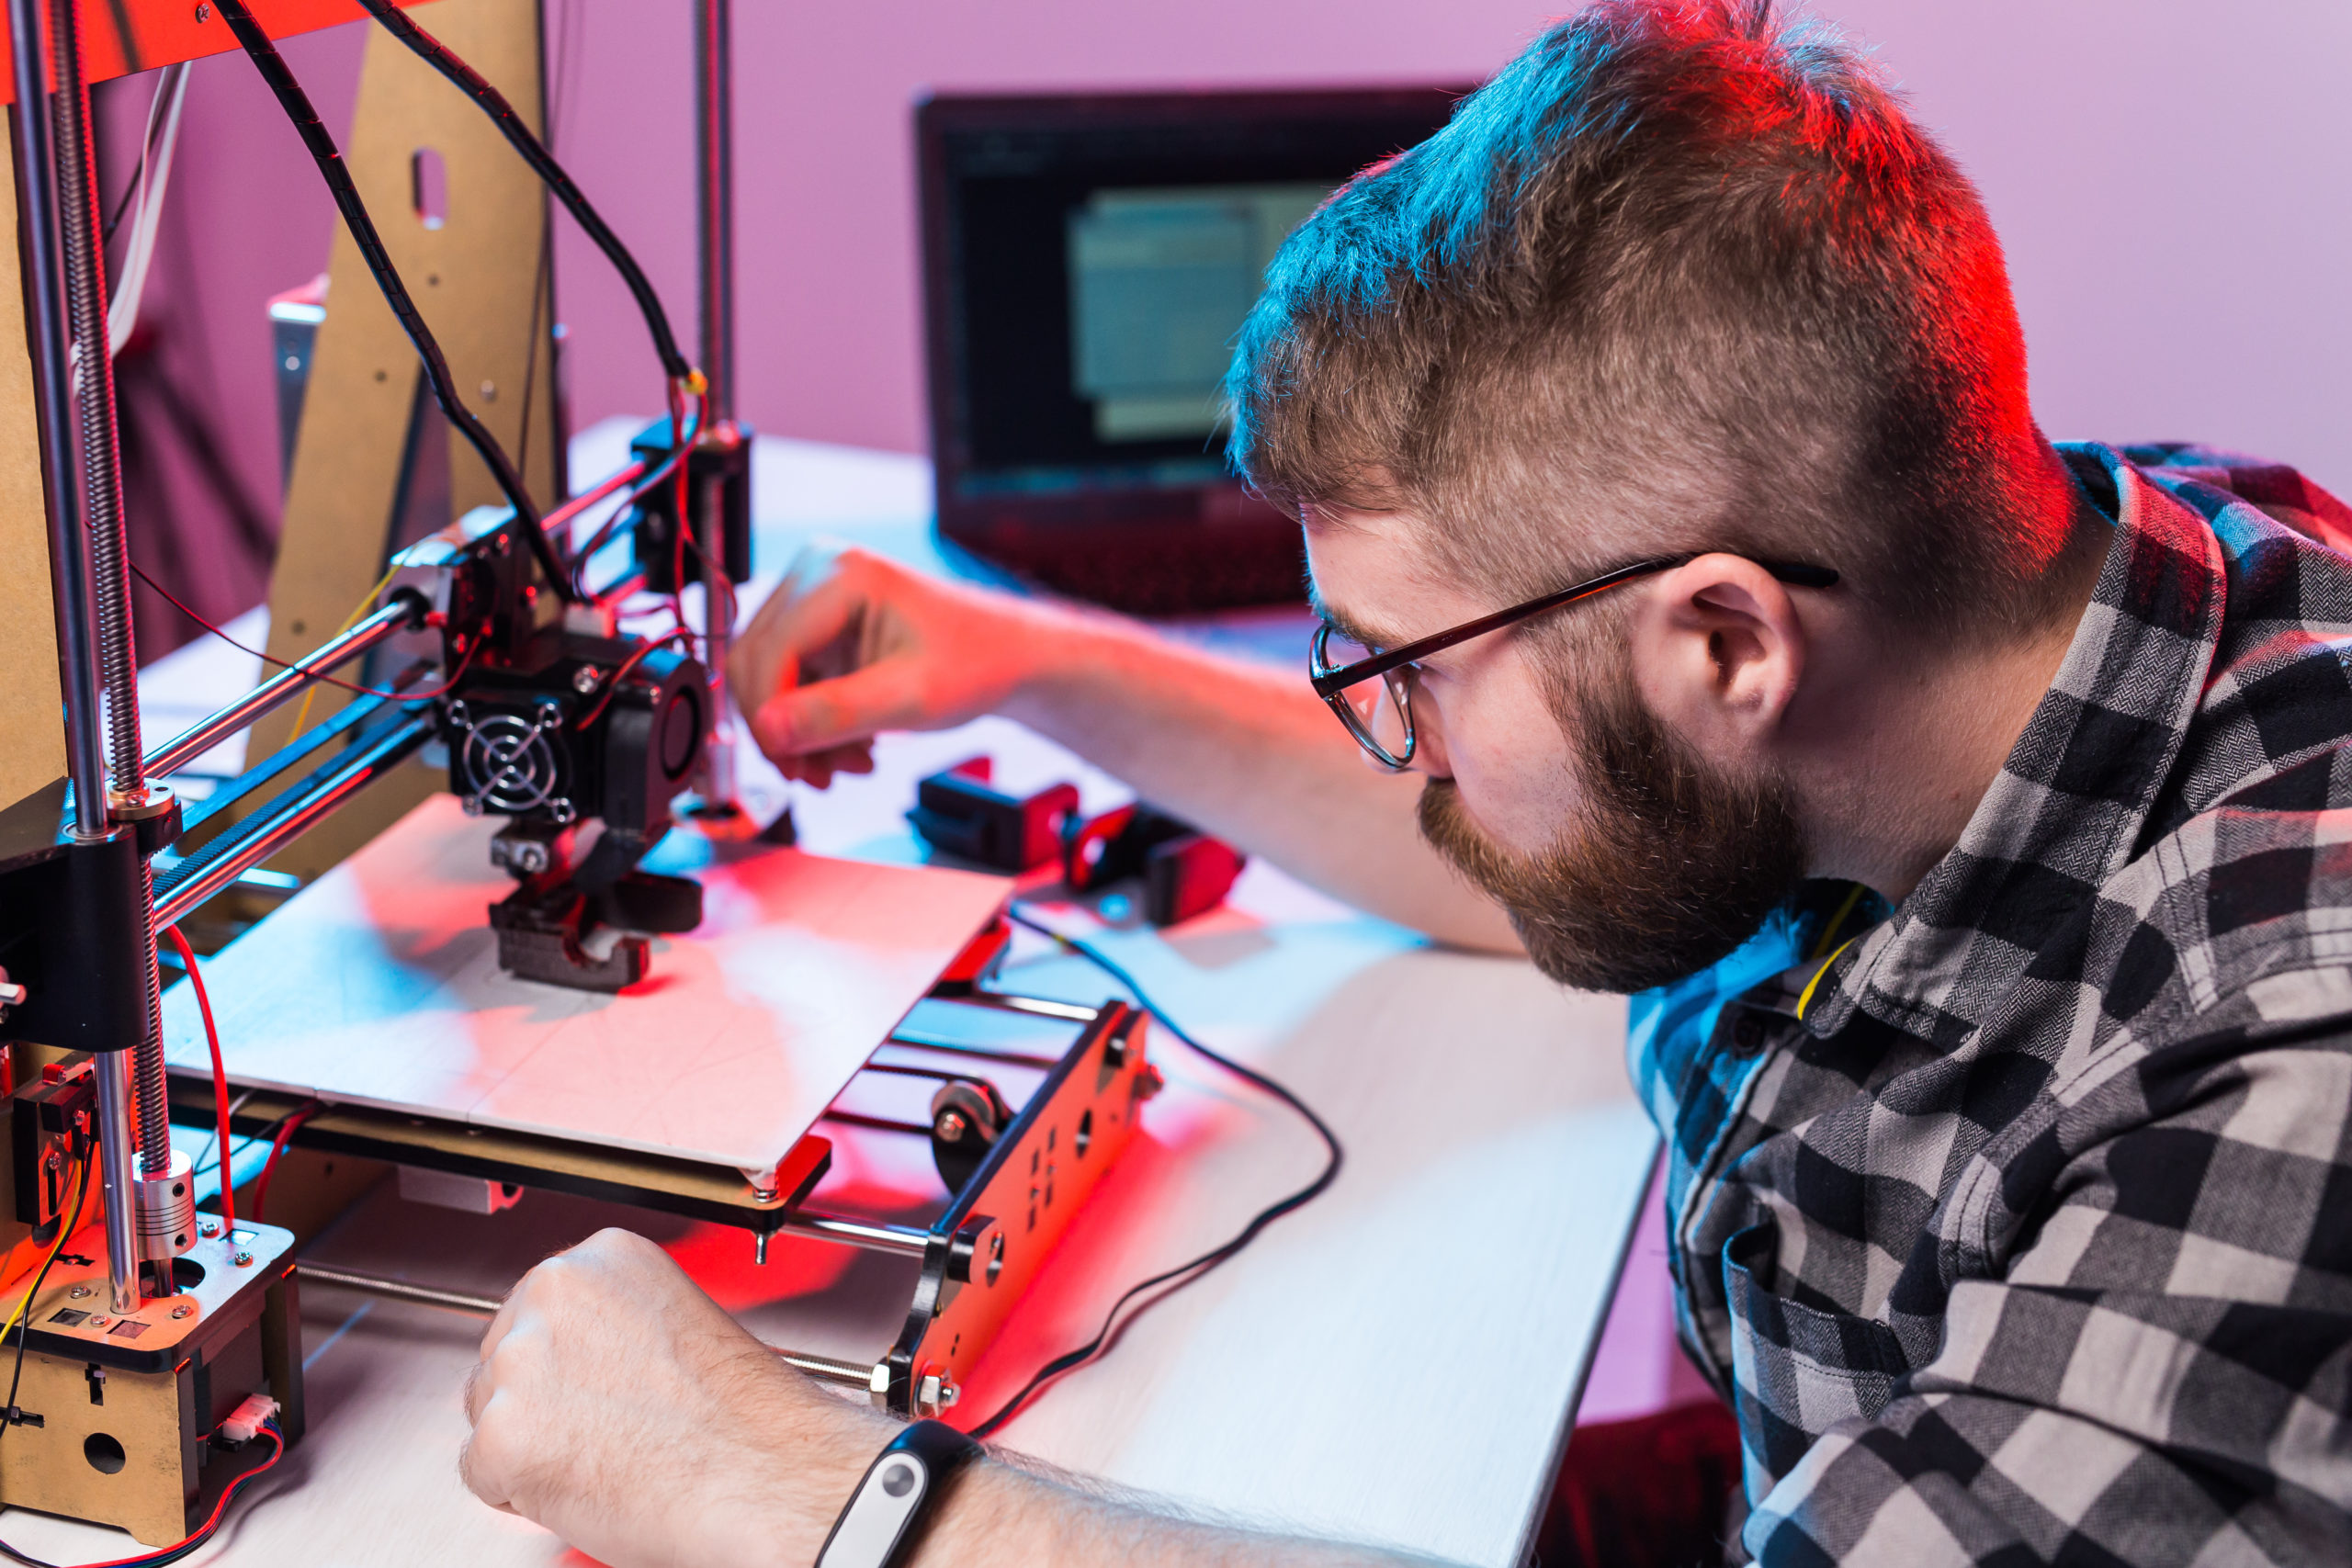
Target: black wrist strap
885, 1516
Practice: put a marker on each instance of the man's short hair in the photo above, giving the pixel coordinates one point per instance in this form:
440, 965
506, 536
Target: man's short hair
1686, 262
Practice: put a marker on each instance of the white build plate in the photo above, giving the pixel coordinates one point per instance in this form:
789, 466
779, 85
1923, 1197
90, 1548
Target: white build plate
379, 985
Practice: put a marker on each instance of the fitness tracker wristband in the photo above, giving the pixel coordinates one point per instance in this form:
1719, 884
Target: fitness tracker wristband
885, 1516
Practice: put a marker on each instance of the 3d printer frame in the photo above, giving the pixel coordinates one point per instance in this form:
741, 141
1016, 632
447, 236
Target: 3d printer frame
165, 1325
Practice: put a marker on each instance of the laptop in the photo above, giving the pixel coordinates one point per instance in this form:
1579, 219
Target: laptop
1088, 261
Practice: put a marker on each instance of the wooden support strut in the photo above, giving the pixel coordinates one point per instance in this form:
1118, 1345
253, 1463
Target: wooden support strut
364, 478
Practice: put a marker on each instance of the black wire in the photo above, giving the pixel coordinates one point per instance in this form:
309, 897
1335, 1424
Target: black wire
210, 1527
204, 1162
1184, 1273
120, 209
322, 150
146, 151
25, 1329
518, 135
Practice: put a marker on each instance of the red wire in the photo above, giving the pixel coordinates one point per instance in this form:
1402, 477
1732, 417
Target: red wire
228, 1495
284, 664
632, 662
276, 1147
220, 1081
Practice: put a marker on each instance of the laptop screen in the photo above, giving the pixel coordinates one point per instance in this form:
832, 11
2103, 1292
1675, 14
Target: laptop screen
1088, 262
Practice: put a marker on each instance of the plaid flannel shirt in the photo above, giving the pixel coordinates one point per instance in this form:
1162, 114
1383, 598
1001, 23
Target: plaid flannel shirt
2016, 1221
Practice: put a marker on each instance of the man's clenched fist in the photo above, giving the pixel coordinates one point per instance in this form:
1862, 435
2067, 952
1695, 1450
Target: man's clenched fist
618, 1405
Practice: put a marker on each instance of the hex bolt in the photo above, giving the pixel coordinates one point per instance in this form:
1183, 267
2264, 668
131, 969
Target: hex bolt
934, 1393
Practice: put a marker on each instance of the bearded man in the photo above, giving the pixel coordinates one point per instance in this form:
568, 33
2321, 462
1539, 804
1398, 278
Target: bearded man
1967, 813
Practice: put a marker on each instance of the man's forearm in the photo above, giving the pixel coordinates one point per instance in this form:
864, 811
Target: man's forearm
1251, 756
1003, 1514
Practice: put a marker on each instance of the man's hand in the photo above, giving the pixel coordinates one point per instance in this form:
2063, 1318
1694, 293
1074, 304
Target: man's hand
618, 1405
850, 645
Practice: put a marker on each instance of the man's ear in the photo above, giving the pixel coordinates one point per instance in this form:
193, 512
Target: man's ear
1718, 654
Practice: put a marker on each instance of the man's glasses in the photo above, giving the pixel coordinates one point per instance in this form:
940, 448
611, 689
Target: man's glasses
1373, 692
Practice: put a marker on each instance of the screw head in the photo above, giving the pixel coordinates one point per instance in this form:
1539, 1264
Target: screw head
101, 1320
209, 1229
585, 679
183, 1310
242, 1259
204, 12
950, 1126
81, 1293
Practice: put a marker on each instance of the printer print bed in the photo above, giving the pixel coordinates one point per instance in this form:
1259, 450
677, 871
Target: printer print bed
379, 985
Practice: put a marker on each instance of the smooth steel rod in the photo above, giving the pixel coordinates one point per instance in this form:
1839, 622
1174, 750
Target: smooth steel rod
605, 489
50, 336
875, 1235
827, 1369
395, 1290
1038, 1005
287, 818
113, 1073
957, 1048
715, 201
404, 611
715, 252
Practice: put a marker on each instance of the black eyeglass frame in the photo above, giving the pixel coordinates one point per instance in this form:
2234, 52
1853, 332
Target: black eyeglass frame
1332, 685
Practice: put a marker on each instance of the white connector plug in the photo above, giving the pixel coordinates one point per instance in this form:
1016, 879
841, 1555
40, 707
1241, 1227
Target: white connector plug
245, 1422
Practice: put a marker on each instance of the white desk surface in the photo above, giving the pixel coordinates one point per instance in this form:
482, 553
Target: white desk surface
1396, 1362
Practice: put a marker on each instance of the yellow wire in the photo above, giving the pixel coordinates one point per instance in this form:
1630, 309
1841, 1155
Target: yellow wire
302, 713
65, 1230
1805, 1000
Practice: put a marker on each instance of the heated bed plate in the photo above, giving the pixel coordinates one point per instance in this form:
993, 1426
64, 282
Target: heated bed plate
378, 986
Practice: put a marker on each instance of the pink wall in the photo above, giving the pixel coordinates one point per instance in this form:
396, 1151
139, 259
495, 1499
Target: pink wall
2173, 179
2175, 188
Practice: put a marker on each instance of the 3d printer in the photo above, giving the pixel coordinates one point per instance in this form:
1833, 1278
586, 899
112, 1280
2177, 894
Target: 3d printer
157, 1350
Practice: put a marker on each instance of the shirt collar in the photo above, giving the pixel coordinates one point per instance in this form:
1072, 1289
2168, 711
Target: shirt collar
2064, 813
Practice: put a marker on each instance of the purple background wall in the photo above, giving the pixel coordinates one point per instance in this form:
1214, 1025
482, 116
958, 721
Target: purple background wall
2173, 184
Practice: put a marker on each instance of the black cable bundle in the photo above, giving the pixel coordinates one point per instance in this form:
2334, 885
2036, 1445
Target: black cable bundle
324, 152
533, 152
1192, 1269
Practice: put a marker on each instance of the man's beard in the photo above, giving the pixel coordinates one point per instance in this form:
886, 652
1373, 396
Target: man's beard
1673, 866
